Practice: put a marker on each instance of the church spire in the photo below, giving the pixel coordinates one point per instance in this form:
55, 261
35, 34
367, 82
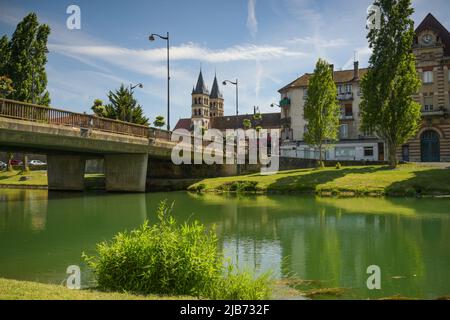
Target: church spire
200, 88
215, 91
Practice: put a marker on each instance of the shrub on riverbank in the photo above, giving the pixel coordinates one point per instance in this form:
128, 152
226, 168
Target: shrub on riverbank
168, 258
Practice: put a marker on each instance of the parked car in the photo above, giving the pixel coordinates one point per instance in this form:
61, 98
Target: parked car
16, 162
37, 163
3, 165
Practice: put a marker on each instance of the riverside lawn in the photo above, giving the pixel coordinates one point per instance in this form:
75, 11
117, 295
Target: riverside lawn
406, 180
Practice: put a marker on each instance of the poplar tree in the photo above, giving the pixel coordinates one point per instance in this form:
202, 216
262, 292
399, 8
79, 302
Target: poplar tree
321, 110
387, 107
25, 59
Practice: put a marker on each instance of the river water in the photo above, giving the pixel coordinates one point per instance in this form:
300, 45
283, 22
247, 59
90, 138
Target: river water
329, 241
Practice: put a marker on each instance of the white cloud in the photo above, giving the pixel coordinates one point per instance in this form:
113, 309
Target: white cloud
252, 22
318, 42
362, 54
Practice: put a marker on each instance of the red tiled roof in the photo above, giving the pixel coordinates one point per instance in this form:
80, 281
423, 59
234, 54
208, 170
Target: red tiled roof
183, 124
343, 76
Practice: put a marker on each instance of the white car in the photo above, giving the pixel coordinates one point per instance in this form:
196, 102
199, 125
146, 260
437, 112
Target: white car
3, 165
37, 163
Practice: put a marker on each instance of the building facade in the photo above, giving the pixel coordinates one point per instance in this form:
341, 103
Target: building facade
432, 51
353, 144
431, 143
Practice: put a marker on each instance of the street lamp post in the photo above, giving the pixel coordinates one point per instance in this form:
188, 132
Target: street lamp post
237, 92
152, 38
140, 85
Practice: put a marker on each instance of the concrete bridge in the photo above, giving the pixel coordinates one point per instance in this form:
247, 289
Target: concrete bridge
69, 139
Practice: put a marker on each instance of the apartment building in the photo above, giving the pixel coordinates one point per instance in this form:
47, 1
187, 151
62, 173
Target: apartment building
432, 141
432, 51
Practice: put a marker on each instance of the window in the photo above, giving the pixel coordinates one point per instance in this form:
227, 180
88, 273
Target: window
348, 110
345, 152
305, 94
428, 103
348, 88
341, 89
343, 131
368, 151
448, 75
428, 77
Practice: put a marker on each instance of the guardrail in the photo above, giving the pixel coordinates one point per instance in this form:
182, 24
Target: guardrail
31, 112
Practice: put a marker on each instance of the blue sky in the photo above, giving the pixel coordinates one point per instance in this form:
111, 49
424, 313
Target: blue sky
264, 43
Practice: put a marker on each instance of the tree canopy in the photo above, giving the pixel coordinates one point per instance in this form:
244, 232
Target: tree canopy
321, 110
23, 60
159, 122
387, 107
122, 106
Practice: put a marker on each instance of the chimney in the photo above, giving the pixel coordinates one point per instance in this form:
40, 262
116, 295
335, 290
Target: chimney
332, 70
356, 69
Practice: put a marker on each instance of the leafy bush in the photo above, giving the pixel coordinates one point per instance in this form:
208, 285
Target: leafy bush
197, 188
168, 258
240, 186
338, 165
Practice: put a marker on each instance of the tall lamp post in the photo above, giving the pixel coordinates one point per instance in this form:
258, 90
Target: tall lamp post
152, 38
237, 92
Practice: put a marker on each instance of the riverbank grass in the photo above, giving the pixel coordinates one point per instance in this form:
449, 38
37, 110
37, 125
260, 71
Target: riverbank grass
406, 180
39, 179
35, 178
25, 290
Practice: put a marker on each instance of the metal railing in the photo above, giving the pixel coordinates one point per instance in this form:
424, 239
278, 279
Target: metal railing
40, 114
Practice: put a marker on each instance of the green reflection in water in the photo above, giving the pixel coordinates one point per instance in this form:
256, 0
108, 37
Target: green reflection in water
327, 239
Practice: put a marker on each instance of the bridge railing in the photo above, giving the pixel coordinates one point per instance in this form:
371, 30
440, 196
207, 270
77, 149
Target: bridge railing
41, 114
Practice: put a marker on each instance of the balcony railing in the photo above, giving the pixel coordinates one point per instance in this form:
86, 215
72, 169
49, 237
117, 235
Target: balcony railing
346, 116
286, 122
286, 102
433, 112
345, 96
40, 114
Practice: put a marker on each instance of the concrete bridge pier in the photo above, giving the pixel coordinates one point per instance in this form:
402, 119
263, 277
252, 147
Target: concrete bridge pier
66, 172
126, 172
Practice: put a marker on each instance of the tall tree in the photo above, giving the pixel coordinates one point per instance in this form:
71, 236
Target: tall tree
4, 55
322, 109
387, 107
27, 56
123, 106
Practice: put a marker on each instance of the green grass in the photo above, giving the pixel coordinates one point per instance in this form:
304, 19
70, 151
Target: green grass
39, 178
406, 180
24, 290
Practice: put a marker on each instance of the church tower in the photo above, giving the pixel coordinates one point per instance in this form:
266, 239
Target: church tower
216, 100
200, 103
